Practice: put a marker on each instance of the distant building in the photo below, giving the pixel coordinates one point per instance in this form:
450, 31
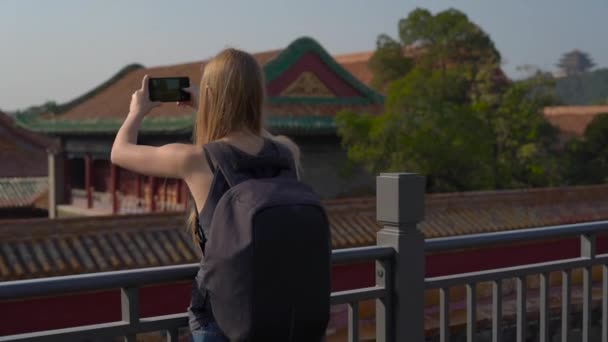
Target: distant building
571, 121
306, 88
24, 185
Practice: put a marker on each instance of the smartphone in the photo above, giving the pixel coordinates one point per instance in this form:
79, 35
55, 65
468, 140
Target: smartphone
168, 89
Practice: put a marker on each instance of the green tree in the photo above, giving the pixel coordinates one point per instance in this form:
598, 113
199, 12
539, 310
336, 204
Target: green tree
451, 116
388, 62
587, 161
445, 40
428, 127
523, 142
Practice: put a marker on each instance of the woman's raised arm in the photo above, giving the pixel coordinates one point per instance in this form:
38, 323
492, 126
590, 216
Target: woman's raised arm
172, 160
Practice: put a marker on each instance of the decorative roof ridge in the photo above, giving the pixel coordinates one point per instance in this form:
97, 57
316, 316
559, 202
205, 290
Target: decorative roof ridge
302, 45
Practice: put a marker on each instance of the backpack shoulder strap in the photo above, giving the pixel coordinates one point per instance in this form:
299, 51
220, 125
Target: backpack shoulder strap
284, 153
219, 185
221, 157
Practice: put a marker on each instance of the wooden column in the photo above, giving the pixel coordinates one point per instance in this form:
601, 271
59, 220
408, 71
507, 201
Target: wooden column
139, 189
180, 192
114, 170
153, 193
165, 197
67, 181
88, 179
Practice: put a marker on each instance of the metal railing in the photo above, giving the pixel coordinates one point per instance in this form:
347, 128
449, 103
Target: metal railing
586, 232
130, 281
400, 284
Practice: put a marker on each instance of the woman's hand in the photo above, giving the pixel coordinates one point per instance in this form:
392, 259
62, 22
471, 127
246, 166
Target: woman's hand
193, 90
140, 100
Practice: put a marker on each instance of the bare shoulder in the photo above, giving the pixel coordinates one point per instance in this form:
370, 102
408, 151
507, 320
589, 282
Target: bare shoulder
189, 156
184, 150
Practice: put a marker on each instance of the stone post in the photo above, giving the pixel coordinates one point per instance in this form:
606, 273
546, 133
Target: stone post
399, 208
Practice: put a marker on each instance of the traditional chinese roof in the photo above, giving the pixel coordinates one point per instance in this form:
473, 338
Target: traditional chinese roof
23, 192
43, 247
573, 120
306, 87
22, 153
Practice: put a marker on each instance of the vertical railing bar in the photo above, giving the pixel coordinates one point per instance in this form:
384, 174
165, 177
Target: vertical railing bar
384, 306
604, 303
444, 315
129, 302
353, 322
566, 304
588, 251
389, 267
522, 288
544, 307
497, 311
172, 335
471, 312
587, 305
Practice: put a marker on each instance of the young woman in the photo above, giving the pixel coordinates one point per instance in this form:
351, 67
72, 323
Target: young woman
229, 108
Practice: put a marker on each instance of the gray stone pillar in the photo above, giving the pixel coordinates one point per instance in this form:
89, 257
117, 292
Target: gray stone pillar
56, 181
400, 207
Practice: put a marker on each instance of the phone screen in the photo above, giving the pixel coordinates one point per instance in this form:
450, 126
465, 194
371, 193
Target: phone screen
169, 89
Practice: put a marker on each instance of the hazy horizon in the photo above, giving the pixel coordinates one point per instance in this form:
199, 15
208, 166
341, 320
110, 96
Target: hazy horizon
58, 50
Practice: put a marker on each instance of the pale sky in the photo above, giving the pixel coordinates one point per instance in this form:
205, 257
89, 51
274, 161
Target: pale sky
59, 49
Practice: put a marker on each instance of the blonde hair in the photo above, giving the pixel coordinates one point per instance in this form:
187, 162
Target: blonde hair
231, 99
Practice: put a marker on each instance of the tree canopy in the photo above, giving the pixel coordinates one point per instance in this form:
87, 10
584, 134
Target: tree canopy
587, 161
449, 112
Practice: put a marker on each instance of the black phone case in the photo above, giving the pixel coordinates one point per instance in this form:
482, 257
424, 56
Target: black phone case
157, 96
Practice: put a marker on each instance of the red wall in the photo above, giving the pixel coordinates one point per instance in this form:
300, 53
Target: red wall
101, 175
127, 182
88, 308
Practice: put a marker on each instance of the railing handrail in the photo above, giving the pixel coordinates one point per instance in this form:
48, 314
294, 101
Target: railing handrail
528, 234
155, 275
152, 275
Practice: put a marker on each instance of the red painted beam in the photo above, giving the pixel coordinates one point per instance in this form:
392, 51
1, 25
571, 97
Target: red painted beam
179, 189
152, 193
165, 198
114, 187
139, 189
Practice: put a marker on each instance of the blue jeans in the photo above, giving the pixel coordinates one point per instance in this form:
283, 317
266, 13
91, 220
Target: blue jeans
209, 333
